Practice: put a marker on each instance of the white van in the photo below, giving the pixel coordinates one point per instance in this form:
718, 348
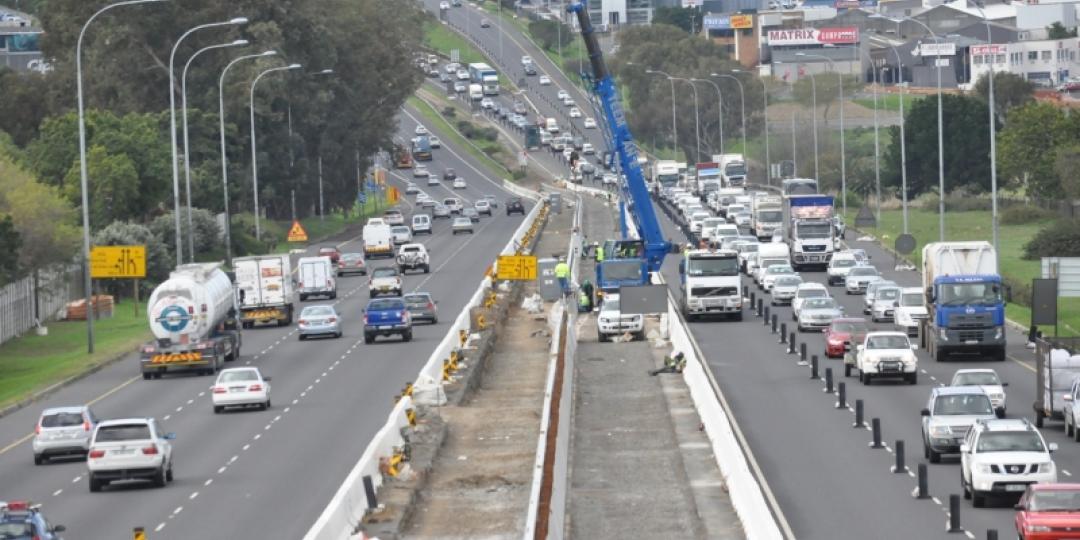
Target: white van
378, 239
551, 126
316, 278
545, 138
421, 223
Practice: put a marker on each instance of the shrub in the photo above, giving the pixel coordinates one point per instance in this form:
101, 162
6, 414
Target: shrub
1058, 239
1021, 215
159, 257
449, 111
957, 203
207, 233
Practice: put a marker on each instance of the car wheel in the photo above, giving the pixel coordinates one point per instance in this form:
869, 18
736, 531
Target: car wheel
268, 404
338, 335
427, 268
934, 457
407, 336
39, 459
368, 338
1068, 427
913, 378
169, 473
434, 320
301, 337
159, 477
600, 337
978, 500
95, 484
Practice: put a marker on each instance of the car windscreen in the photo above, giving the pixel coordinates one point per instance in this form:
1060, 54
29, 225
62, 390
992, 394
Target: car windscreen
888, 342
887, 294
1010, 441
977, 378
779, 269
123, 432
787, 281
843, 263
863, 271
963, 404
63, 419
713, 266
819, 303
238, 376
813, 292
399, 230
1055, 500
352, 257
914, 299
385, 304
316, 311
624, 270
770, 216
383, 272
417, 299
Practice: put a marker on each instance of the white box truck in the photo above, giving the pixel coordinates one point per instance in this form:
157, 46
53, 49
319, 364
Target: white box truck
264, 289
316, 277
732, 169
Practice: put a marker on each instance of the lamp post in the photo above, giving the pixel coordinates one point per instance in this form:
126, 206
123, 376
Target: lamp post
187, 152
697, 118
83, 176
719, 109
941, 130
322, 216
903, 149
993, 134
172, 124
843, 160
224, 158
877, 148
674, 129
765, 111
254, 154
813, 122
742, 103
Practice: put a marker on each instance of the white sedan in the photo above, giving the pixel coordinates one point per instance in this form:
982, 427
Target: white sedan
487, 103
420, 130
588, 149
575, 112
590, 123
545, 80
459, 183
411, 189
460, 87
434, 142
241, 387
462, 75
562, 95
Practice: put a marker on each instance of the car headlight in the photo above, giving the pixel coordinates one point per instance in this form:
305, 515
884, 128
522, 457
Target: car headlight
944, 335
940, 431
999, 332
1047, 466
982, 468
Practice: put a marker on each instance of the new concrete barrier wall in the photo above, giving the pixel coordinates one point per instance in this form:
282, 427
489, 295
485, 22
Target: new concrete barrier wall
349, 504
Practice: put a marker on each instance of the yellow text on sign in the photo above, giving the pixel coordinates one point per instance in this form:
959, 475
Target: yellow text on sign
107, 262
516, 267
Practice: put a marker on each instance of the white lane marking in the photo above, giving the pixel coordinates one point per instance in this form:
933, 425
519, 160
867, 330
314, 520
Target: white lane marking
208, 481
180, 408
296, 400
178, 510
221, 469
76, 479
1066, 472
267, 427
201, 394
58, 492
968, 534
286, 409
276, 418
936, 500
193, 495
234, 458
257, 436
167, 416
159, 527
190, 401
246, 446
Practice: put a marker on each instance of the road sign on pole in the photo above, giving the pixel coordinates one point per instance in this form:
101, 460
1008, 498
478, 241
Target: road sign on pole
516, 267
297, 233
111, 262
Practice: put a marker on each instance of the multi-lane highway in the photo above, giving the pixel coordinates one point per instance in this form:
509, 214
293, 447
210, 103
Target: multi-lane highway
828, 482
262, 474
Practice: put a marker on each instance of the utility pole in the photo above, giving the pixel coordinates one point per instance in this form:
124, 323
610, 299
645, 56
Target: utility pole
292, 194
322, 216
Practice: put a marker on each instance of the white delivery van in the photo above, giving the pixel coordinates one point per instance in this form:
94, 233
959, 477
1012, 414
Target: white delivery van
316, 278
421, 223
264, 289
378, 239
551, 125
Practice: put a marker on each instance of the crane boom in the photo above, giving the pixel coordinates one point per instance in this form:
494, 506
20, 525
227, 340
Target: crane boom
634, 189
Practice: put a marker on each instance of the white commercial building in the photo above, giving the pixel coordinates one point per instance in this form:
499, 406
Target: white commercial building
611, 14
1044, 62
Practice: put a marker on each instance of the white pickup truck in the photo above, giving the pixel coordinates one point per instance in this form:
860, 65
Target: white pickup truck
886, 354
413, 257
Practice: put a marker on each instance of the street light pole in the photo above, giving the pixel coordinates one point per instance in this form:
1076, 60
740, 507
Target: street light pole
224, 156
697, 119
187, 153
903, 149
765, 111
742, 103
674, 129
254, 153
83, 176
843, 159
719, 109
993, 135
172, 125
877, 148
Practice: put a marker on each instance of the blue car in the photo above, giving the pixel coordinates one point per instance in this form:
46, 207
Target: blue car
19, 519
387, 317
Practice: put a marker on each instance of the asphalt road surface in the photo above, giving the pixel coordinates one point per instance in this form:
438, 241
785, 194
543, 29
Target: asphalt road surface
268, 474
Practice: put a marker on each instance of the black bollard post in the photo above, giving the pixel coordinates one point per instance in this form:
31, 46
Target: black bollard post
802, 352
991, 534
899, 467
791, 343
766, 321
828, 379
745, 291
774, 321
753, 299
369, 491
954, 514
875, 428
841, 395
858, 414
760, 305
922, 491
783, 332
813, 368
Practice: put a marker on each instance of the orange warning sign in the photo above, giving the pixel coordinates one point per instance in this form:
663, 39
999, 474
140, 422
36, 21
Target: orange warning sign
297, 233
393, 195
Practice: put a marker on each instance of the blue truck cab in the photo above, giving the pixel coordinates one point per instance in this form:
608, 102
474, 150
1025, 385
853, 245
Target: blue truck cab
624, 264
964, 301
387, 317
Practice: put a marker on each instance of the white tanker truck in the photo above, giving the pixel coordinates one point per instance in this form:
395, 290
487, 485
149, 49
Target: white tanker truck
193, 317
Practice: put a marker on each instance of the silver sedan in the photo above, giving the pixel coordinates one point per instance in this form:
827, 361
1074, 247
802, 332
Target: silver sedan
818, 313
319, 321
462, 224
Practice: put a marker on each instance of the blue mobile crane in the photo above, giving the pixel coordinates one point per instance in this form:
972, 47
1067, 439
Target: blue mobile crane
628, 261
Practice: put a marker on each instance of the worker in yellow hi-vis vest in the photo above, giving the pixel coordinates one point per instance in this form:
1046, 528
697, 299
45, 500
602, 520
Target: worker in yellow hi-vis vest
562, 273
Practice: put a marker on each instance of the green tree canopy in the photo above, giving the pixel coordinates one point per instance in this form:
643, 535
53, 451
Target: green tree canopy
551, 34
687, 19
1028, 145
1010, 90
1058, 31
1067, 168
10, 242
42, 216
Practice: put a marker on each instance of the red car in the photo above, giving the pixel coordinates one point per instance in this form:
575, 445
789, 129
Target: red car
841, 331
331, 252
1049, 512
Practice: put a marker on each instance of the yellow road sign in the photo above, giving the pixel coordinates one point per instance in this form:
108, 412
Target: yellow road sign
516, 267
108, 262
297, 233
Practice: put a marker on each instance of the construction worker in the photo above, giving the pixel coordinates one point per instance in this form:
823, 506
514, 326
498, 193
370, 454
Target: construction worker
672, 364
600, 253
586, 299
562, 273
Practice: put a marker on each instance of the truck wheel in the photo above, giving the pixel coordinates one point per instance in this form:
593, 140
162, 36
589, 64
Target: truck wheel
1000, 355
1039, 419
406, 336
147, 376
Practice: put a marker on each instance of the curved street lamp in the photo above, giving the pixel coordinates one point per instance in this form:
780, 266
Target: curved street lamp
254, 155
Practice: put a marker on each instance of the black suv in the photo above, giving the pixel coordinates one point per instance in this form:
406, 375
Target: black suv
449, 174
513, 205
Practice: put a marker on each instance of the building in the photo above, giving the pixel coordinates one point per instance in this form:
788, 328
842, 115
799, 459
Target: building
19, 37
1046, 63
795, 52
611, 14
736, 34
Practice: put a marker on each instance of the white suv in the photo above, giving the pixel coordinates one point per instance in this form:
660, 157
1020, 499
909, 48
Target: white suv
1000, 457
129, 449
612, 321
839, 266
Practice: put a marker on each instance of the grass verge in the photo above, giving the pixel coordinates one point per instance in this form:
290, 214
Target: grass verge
889, 102
31, 362
433, 117
975, 225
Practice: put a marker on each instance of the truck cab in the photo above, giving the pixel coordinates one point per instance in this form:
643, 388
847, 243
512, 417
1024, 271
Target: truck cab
710, 283
964, 300
624, 264
809, 230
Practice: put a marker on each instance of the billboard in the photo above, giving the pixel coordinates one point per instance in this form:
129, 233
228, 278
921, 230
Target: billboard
742, 21
988, 49
814, 36
738, 21
936, 49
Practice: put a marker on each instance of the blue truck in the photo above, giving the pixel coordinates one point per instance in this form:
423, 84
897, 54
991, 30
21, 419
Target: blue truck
624, 265
964, 301
387, 317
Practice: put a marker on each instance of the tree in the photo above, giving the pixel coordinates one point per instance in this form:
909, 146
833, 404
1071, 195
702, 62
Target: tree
207, 237
1028, 145
1010, 90
159, 261
10, 242
1058, 31
28, 98
1067, 168
114, 188
967, 147
551, 34
686, 18
827, 91
42, 216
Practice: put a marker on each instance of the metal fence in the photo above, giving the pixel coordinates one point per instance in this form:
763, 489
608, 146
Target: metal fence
36, 298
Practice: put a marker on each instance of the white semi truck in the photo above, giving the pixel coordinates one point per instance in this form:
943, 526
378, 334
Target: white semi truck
710, 283
193, 318
264, 289
732, 169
